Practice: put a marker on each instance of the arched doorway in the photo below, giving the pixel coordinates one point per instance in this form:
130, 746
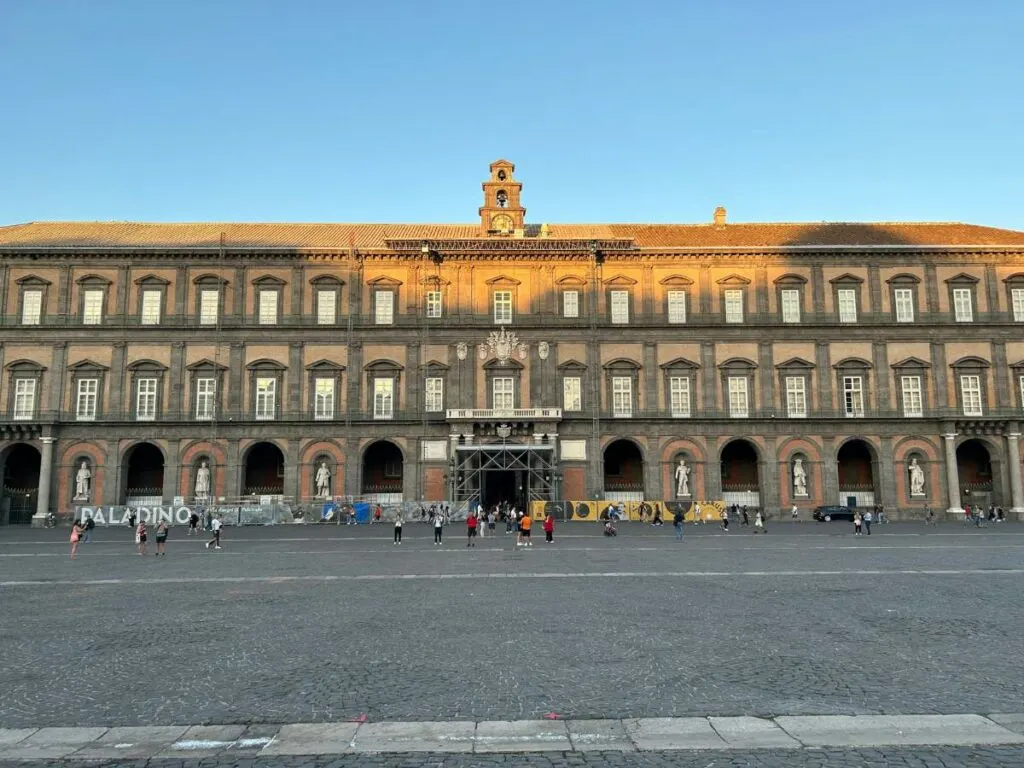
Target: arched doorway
20, 468
144, 476
382, 473
856, 470
623, 472
264, 471
741, 476
974, 468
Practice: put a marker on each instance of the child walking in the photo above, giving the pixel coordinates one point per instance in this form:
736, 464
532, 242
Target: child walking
549, 528
759, 523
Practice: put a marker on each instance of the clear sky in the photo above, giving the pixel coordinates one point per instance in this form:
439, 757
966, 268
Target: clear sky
380, 110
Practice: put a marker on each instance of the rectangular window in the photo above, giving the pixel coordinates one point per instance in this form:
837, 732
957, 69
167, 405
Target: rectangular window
206, 393
963, 312
433, 304
913, 404
572, 393
790, 305
384, 308
853, 396
502, 307
323, 399
679, 396
904, 298
209, 307
383, 398
145, 399
620, 307
24, 398
677, 306
738, 403
503, 397
151, 307
435, 394
1017, 297
796, 397
570, 303
32, 307
622, 397
92, 307
847, 305
266, 398
326, 306
268, 308
970, 392
734, 305
85, 401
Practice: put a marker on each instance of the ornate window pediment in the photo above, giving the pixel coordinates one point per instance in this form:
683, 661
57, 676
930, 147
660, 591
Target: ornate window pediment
571, 366
152, 280
904, 278
436, 367
95, 281
680, 364
266, 364
852, 363
502, 280
971, 361
962, 279
27, 367
733, 280
790, 279
619, 281
676, 281
795, 364
495, 364
269, 281
383, 366
210, 280
384, 282
325, 366
147, 365
738, 365
31, 281
622, 364
205, 364
847, 279
911, 364
570, 281
327, 281
88, 366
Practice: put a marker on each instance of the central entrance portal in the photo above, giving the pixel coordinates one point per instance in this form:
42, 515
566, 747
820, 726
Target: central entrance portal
500, 486
491, 474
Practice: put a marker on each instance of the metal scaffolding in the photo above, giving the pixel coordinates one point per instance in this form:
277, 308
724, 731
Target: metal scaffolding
534, 464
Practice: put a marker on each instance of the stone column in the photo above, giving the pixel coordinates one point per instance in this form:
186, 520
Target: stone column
880, 359
296, 374
712, 474
176, 385
887, 476
766, 374
704, 290
992, 288
952, 474
761, 290
172, 472
293, 472
298, 286
818, 289
45, 480
648, 292
180, 293
824, 370
1016, 487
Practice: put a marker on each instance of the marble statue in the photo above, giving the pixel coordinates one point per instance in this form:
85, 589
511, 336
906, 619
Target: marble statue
799, 478
203, 481
682, 479
323, 481
83, 480
916, 478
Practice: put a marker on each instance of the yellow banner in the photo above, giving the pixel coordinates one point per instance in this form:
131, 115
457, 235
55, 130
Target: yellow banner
644, 511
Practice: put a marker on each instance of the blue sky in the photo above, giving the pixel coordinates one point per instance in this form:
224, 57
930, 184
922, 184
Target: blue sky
200, 110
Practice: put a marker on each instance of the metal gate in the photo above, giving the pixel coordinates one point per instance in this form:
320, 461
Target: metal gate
17, 505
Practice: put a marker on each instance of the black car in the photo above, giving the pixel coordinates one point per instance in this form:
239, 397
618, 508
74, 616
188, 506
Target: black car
827, 514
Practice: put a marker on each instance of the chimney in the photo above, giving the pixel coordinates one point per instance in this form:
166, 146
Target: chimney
719, 216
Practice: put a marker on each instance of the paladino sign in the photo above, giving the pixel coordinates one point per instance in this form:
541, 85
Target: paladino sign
149, 515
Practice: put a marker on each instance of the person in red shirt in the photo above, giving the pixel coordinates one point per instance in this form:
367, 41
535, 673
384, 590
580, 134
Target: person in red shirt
471, 522
549, 528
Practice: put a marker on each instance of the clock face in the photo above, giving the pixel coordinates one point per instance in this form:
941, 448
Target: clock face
502, 223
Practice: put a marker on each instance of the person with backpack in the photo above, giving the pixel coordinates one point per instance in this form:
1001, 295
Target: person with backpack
161, 538
677, 523
89, 525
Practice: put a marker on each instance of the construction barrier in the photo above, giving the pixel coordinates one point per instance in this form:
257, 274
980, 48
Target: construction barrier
708, 511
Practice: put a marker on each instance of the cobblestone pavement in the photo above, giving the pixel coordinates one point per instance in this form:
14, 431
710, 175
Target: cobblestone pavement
341, 623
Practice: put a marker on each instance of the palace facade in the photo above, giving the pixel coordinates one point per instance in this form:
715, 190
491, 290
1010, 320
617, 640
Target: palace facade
785, 364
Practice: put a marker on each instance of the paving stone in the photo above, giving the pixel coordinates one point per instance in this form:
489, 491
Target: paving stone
132, 742
203, 741
312, 739
522, 736
885, 730
599, 735
452, 736
51, 743
1011, 721
751, 732
10, 736
653, 733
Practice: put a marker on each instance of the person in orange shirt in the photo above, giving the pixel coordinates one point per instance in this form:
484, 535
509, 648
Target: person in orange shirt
524, 532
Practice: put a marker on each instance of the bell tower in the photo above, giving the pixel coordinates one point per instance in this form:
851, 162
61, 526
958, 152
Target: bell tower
502, 213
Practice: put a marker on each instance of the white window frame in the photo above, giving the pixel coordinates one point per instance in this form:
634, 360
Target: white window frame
266, 398
739, 400
434, 304
209, 306
853, 397
904, 299
502, 307
268, 300
572, 393
679, 401
790, 298
622, 397
86, 399
970, 394
323, 398
847, 300
24, 399
676, 301
383, 307
434, 395
145, 398
570, 304
503, 396
92, 306
32, 307
1017, 300
733, 298
619, 307
206, 398
963, 309
384, 398
326, 306
151, 301
796, 397
913, 397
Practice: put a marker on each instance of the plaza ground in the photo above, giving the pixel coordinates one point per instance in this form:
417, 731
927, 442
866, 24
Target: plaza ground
322, 624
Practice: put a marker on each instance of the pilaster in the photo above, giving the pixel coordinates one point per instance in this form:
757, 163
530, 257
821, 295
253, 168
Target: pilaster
952, 474
292, 471
880, 361
761, 289
236, 378
4, 277
1001, 372
766, 372
818, 289
413, 403
823, 363
233, 470
931, 288
176, 384
355, 379
769, 470
298, 286
708, 376
119, 405
705, 290
650, 374
64, 292
239, 301
992, 293
58, 378
648, 289
180, 292
886, 475
112, 479
45, 480
829, 474
296, 375
122, 291
712, 471
875, 288
939, 373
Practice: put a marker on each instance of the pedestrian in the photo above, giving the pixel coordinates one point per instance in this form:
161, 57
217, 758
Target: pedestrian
657, 516
868, 519
794, 514
759, 526
857, 520
438, 522
131, 518
999, 515
471, 523
76, 535
161, 538
88, 526
378, 513
491, 518
746, 519
481, 521
215, 526
967, 513
398, 527
549, 528
140, 537
524, 531
725, 520
677, 523
193, 524
929, 519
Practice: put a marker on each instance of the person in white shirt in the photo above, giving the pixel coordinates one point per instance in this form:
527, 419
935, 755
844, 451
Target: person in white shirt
215, 527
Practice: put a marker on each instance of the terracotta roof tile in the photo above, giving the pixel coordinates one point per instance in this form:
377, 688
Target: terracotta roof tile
101, 234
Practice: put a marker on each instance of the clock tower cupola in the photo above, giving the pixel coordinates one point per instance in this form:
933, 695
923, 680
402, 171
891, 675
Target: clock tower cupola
502, 212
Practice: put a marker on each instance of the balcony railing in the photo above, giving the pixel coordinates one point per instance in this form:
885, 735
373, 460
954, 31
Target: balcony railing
507, 414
